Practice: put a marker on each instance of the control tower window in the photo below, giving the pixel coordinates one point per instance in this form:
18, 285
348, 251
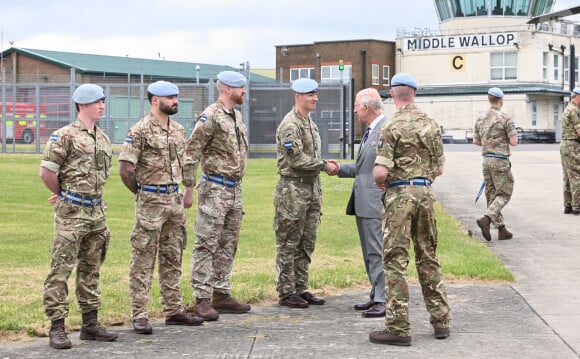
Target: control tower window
542, 7
449, 9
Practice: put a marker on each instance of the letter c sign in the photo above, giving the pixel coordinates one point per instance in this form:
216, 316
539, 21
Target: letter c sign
457, 63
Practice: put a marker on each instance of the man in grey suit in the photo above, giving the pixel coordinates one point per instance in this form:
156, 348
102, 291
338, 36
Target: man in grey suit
365, 199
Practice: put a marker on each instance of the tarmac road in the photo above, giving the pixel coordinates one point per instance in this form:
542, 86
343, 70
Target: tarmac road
536, 317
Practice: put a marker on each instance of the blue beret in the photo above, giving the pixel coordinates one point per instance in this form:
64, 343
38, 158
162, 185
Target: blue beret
232, 78
576, 90
305, 86
403, 79
495, 91
88, 93
163, 88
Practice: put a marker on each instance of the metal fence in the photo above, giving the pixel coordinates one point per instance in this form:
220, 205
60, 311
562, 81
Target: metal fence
30, 112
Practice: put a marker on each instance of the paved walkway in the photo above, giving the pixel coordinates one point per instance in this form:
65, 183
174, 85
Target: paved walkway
544, 254
536, 317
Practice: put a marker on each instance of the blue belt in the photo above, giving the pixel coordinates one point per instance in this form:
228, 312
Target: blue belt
219, 179
160, 188
412, 182
493, 155
80, 199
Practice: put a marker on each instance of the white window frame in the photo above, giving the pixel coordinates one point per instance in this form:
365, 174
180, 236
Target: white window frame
545, 66
556, 67
327, 114
502, 67
375, 74
556, 112
298, 72
534, 113
576, 71
566, 68
386, 75
332, 73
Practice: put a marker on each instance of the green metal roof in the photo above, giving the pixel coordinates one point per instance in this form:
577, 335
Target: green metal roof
117, 65
541, 89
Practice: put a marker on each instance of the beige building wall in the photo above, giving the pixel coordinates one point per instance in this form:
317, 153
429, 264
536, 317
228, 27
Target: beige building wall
444, 67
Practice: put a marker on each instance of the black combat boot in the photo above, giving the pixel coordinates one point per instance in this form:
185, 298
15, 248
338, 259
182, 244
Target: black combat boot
92, 330
58, 338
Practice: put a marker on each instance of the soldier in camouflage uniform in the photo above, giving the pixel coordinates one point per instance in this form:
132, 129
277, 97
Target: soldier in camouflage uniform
570, 153
298, 197
75, 166
495, 132
409, 158
219, 142
151, 166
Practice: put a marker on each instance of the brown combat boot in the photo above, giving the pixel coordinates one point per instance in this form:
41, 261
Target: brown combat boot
224, 303
58, 338
384, 337
92, 330
204, 310
484, 223
182, 318
503, 233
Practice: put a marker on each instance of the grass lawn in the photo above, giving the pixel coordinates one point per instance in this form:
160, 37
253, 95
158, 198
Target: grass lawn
26, 229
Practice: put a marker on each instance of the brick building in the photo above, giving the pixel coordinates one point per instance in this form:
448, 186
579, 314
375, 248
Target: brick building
370, 62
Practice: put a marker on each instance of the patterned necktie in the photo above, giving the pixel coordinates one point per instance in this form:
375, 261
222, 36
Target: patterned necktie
365, 136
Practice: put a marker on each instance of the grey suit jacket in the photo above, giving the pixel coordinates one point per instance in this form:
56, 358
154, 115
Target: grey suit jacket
365, 199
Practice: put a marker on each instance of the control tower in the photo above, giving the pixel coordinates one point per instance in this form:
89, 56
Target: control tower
460, 14
492, 43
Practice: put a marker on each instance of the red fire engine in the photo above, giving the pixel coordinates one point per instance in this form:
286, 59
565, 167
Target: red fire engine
21, 120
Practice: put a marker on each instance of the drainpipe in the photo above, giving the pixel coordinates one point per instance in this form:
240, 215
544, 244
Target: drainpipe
363, 55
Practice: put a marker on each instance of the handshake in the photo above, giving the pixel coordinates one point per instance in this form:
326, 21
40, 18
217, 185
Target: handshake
331, 168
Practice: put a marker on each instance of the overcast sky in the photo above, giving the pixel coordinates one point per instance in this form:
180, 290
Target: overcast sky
223, 32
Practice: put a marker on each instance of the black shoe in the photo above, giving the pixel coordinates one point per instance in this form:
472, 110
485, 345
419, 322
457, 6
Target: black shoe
312, 299
384, 337
376, 311
576, 211
293, 301
441, 333
183, 319
567, 209
364, 306
142, 326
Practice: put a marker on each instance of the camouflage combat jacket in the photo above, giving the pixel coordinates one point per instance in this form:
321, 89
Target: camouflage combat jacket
570, 121
81, 158
410, 145
219, 142
494, 129
298, 146
157, 153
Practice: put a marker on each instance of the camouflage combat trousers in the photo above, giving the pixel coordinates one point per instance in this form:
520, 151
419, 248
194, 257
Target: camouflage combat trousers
499, 187
408, 216
159, 231
297, 214
81, 238
217, 231
570, 154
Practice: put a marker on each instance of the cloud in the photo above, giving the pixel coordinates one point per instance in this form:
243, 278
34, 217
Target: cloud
223, 32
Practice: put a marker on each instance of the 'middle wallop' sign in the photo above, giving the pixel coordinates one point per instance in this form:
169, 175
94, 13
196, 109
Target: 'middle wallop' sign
460, 41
